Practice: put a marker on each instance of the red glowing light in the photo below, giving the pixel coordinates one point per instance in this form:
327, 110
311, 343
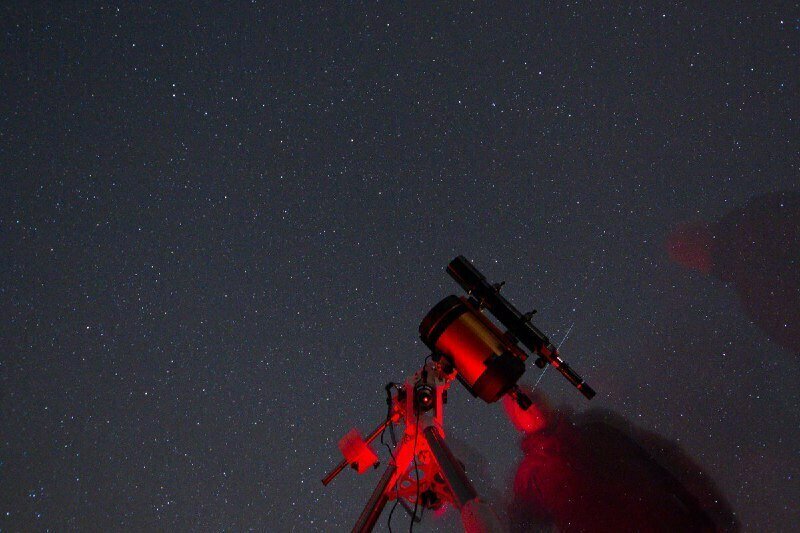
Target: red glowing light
469, 342
438, 513
357, 451
691, 246
527, 421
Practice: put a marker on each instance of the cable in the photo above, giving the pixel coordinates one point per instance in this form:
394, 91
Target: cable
391, 454
391, 434
396, 501
389, 417
394, 441
416, 466
416, 473
389, 402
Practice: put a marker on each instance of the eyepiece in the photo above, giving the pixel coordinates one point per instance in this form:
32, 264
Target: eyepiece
522, 399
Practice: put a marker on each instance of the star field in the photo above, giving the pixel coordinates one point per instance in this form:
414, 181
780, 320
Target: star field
222, 224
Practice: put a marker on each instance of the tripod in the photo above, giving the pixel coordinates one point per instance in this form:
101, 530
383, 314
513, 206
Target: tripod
423, 471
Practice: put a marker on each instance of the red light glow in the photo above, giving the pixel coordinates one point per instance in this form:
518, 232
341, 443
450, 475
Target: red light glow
527, 421
690, 245
357, 451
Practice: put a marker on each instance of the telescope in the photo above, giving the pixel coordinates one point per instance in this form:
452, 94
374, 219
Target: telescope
489, 362
466, 345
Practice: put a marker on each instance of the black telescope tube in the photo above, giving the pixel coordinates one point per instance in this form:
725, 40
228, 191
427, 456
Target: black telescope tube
476, 285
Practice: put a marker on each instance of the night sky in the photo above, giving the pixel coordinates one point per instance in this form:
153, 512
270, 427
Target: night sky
222, 224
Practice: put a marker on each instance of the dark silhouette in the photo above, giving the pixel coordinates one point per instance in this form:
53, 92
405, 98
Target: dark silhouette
756, 248
596, 472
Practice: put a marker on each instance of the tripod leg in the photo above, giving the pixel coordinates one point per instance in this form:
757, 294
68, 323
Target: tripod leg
372, 511
451, 469
476, 515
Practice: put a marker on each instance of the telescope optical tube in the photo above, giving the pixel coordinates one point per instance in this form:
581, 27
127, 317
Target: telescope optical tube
488, 364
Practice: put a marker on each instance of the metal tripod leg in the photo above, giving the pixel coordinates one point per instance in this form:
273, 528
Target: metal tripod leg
372, 511
453, 472
476, 516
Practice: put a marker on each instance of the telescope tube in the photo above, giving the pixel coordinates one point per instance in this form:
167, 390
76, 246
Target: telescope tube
475, 284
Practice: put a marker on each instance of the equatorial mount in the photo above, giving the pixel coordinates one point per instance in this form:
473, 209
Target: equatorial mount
465, 345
